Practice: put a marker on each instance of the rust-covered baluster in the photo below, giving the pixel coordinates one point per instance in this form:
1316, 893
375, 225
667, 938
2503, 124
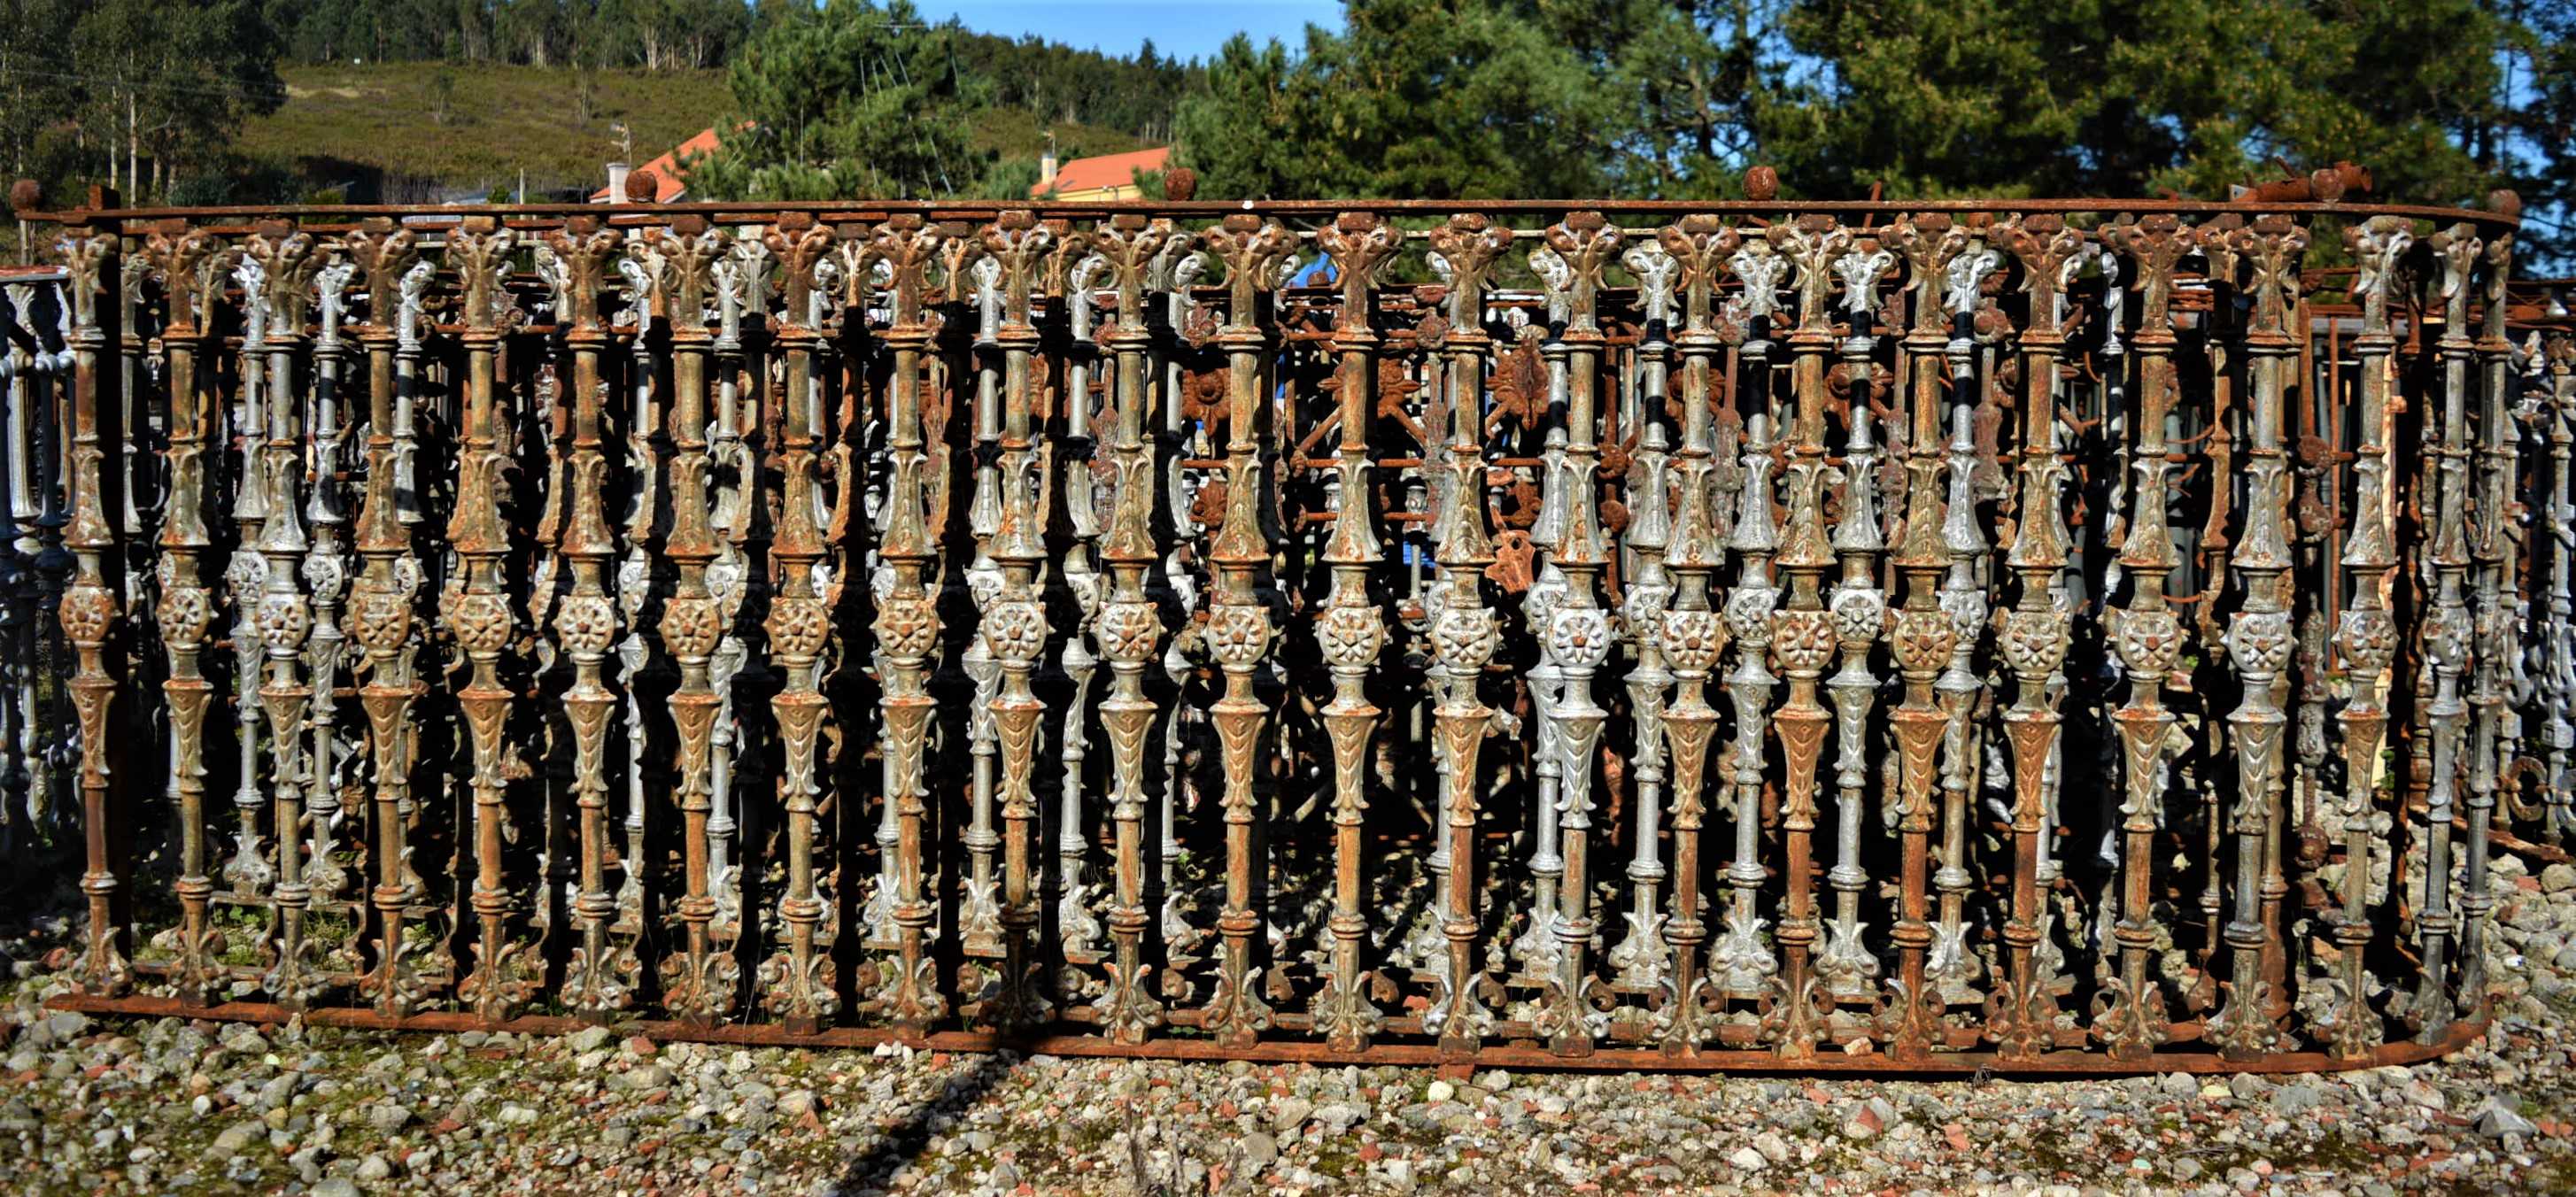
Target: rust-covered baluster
599, 977
2497, 644
1463, 638
698, 977
797, 983
2022, 1018
1847, 968
907, 623
1078, 932
1741, 965
88, 609
1921, 636
1955, 967
2129, 1016
2260, 637
586, 625
1239, 631
505, 972
380, 604
1692, 632
1572, 1008
289, 261
2368, 635
1129, 628
1642, 957
191, 263
1802, 633
738, 510
1015, 624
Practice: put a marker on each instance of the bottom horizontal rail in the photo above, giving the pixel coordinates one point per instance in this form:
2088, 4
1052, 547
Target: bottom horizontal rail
1524, 1057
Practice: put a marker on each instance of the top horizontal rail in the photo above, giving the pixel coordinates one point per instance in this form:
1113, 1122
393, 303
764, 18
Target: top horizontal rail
826, 211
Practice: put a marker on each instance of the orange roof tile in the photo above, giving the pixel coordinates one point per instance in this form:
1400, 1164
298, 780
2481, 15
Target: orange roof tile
1105, 171
668, 177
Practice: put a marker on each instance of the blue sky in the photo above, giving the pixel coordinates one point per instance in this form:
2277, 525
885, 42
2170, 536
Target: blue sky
1179, 28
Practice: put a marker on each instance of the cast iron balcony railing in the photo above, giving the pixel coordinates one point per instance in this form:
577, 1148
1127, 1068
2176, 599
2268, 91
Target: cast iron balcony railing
2040, 635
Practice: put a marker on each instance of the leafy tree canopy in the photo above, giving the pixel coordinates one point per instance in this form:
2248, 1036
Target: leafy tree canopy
2441, 99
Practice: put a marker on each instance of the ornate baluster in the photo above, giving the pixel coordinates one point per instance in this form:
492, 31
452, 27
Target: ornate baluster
1076, 927
18, 698
736, 509
1174, 587
2218, 447
2559, 633
288, 264
2023, 1016
380, 605
505, 972
192, 264
907, 623
2129, 1017
979, 911
1128, 628
249, 872
1015, 625
1802, 634
1954, 967
1536, 946
598, 979
88, 608
1642, 957
2367, 637
699, 977
853, 265
52, 740
639, 588
1741, 966
800, 979
2498, 469
709, 268
1239, 630
326, 572
2260, 636
1577, 637
1846, 967
1922, 636
1692, 632
1463, 639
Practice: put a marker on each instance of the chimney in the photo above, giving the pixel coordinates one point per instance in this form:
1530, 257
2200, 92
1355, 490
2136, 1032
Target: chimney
617, 182
1046, 161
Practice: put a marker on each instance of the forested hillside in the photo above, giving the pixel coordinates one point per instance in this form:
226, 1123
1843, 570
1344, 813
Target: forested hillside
241, 101
286, 99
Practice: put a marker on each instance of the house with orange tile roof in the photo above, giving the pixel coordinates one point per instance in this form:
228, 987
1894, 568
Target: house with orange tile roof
667, 176
1106, 177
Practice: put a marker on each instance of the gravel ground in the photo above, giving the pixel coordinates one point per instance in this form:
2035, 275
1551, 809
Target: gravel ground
105, 1105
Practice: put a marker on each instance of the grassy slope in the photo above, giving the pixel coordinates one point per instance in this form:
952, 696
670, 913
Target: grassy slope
504, 119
